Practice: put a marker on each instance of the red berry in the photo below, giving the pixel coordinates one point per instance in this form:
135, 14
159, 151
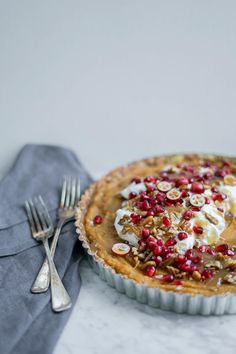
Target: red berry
230, 253
180, 258
136, 180
182, 235
132, 195
150, 188
188, 214
203, 249
220, 173
177, 282
142, 243
171, 241
158, 209
157, 250
181, 181
97, 220
189, 254
158, 259
184, 193
136, 218
198, 229
145, 233
150, 179
160, 197
150, 271
207, 274
167, 278
150, 213
197, 259
222, 248
166, 221
197, 187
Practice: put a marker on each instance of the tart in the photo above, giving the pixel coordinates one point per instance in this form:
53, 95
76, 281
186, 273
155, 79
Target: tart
167, 225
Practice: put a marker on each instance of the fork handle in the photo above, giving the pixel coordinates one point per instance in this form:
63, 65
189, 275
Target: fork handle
42, 281
60, 298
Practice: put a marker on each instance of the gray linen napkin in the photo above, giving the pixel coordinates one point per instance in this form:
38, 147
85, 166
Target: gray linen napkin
27, 323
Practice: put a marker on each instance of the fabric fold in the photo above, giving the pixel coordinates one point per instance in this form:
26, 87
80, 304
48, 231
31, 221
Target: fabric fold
27, 322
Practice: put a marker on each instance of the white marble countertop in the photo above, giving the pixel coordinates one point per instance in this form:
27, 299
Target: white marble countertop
105, 321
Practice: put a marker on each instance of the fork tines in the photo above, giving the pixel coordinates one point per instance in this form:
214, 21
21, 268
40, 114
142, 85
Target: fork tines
39, 218
70, 192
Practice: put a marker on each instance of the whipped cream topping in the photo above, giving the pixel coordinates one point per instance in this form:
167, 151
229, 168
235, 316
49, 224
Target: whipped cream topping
133, 188
129, 237
211, 232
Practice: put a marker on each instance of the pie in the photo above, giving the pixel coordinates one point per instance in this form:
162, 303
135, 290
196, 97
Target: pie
166, 222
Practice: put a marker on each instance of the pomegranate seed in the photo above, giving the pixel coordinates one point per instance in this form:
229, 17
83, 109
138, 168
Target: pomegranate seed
186, 267
144, 196
150, 188
171, 241
181, 181
157, 250
184, 193
177, 282
145, 206
150, 179
164, 175
211, 251
136, 219
220, 173
150, 271
203, 249
207, 175
160, 242
197, 259
198, 229
97, 220
160, 197
158, 259
166, 221
153, 202
194, 208
180, 258
226, 163
182, 235
214, 189
189, 254
222, 248
142, 244
145, 233
167, 278
207, 200
158, 209
136, 180
132, 195
188, 214
197, 187
150, 213
207, 274
230, 253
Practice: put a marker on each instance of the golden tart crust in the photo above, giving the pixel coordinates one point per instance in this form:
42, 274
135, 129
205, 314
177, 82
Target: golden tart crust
103, 199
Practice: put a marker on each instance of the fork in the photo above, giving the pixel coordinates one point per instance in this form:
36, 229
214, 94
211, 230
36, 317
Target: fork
42, 228
70, 195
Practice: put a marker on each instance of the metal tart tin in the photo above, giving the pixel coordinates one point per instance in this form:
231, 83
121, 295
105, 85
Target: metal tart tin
165, 300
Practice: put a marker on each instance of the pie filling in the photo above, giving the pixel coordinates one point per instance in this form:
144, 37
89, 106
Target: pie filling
179, 224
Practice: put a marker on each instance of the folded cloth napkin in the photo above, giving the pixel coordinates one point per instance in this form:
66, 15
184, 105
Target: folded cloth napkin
27, 322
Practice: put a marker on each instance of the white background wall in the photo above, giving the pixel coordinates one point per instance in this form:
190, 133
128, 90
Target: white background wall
118, 80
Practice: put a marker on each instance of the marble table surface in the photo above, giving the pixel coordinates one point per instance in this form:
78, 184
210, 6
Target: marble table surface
105, 321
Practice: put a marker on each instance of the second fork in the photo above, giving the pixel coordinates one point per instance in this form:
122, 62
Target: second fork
70, 195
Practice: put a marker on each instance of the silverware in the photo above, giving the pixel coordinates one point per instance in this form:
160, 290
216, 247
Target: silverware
42, 228
69, 199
